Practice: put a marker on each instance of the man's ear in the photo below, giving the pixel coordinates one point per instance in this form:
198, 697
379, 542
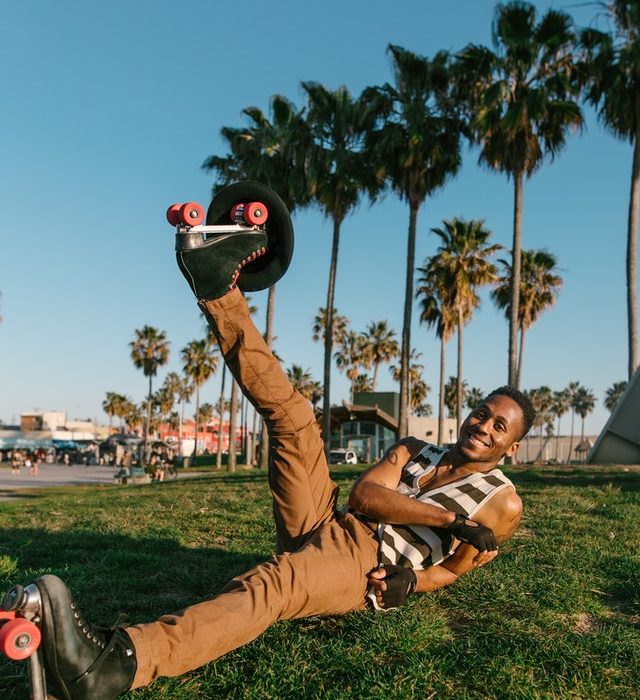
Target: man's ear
512, 449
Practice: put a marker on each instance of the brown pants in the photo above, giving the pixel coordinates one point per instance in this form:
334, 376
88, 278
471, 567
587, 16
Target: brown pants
322, 558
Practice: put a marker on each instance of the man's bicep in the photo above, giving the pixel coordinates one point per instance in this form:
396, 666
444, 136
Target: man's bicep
388, 470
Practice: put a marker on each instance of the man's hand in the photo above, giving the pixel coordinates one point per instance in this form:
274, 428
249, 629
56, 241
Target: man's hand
471, 532
392, 584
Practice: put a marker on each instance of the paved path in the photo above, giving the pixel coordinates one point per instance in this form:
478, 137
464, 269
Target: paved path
51, 475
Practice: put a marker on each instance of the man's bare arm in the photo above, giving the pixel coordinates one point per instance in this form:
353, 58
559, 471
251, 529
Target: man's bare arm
375, 495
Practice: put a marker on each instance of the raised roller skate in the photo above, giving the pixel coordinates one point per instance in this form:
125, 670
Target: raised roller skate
247, 240
42, 623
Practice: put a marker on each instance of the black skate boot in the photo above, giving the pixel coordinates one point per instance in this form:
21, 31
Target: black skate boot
253, 257
81, 662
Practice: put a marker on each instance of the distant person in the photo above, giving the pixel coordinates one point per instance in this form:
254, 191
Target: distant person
418, 519
15, 462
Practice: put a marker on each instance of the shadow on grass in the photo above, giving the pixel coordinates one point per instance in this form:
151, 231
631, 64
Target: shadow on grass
595, 476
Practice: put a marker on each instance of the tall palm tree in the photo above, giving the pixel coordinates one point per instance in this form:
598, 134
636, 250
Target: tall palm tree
149, 351
272, 149
572, 390
584, 403
463, 258
520, 106
382, 346
351, 355
433, 296
613, 87
233, 423
199, 362
614, 394
561, 404
539, 287
337, 174
417, 149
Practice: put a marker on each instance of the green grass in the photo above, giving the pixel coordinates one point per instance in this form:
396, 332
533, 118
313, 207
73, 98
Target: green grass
556, 615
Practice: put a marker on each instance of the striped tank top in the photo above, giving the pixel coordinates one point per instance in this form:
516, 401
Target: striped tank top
419, 546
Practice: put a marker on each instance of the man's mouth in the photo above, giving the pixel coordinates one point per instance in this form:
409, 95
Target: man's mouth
476, 441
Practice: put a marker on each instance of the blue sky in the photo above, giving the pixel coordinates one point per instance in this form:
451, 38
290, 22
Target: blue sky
109, 110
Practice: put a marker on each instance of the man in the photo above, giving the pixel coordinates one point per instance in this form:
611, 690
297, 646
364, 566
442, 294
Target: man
327, 562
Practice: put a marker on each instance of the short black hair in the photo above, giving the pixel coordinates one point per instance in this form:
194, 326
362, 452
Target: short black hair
528, 411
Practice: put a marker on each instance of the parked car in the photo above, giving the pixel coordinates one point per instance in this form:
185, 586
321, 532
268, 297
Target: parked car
343, 455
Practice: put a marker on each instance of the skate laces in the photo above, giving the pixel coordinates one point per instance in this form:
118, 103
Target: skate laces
117, 635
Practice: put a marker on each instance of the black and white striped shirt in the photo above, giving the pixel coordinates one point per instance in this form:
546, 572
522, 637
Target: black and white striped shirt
419, 546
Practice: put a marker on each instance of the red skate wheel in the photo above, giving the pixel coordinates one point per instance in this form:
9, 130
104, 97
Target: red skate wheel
191, 214
255, 213
19, 638
173, 214
234, 212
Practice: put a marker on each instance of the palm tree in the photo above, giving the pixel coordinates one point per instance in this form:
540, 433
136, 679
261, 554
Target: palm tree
204, 414
181, 391
614, 394
352, 354
362, 384
199, 362
433, 294
561, 404
462, 259
452, 396
572, 390
416, 396
300, 380
542, 400
520, 108
149, 350
584, 403
319, 328
474, 398
417, 149
315, 391
272, 150
110, 406
337, 175
134, 415
382, 346
539, 287
613, 87
233, 422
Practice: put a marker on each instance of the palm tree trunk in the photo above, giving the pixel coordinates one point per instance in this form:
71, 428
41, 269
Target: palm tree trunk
520, 353
268, 336
573, 415
147, 427
195, 441
459, 377
328, 338
221, 418
233, 419
374, 380
441, 393
558, 439
254, 427
403, 418
515, 277
632, 254
180, 429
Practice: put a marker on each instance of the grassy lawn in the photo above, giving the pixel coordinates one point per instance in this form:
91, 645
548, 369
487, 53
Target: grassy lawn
556, 615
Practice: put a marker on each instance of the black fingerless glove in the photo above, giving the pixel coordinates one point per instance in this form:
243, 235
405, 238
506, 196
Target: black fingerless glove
471, 532
400, 583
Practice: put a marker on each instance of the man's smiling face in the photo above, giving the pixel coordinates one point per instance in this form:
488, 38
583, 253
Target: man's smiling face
491, 431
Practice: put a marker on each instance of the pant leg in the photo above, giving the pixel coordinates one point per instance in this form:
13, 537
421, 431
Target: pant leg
326, 576
303, 494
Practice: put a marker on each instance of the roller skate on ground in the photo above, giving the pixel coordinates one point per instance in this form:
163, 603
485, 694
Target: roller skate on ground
68, 658
247, 240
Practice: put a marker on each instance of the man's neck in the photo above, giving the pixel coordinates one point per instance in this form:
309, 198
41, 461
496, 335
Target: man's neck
457, 462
